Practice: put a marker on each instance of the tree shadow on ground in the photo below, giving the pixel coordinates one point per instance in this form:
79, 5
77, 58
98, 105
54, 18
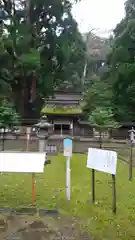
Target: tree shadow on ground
22, 227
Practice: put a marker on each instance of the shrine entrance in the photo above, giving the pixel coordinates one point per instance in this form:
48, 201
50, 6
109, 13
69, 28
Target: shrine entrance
62, 128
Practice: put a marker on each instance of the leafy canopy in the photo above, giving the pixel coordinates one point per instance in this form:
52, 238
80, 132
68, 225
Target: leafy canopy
99, 94
121, 63
102, 118
8, 116
41, 49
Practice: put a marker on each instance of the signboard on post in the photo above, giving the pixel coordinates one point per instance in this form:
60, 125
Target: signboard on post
67, 147
22, 162
104, 161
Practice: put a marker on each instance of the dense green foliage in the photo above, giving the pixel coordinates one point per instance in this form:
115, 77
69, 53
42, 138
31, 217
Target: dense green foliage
116, 87
102, 119
8, 116
40, 49
122, 66
99, 94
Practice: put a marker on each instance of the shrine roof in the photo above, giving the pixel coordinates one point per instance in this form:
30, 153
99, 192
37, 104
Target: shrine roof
64, 96
63, 103
62, 110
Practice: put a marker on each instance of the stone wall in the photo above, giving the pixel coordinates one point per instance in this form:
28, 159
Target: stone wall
79, 145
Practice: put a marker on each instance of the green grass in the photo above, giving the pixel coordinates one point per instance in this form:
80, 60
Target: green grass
97, 219
67, 110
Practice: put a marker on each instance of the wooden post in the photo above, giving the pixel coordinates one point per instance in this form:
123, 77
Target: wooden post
33, 174
28, 142
100, 139
131, 162
61, 132
33, 188
132, 140
3, 139
93, 185
113, 194
72, 128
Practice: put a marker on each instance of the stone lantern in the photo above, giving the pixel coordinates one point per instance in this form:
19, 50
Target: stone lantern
43, 133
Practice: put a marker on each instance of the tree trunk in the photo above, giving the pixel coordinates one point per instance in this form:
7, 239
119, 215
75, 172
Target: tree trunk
18, 99
27, 103
27, 11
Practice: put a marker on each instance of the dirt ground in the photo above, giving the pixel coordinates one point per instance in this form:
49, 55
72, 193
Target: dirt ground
22, 227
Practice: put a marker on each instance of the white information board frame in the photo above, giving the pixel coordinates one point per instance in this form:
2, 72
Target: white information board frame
102, 160
22, 162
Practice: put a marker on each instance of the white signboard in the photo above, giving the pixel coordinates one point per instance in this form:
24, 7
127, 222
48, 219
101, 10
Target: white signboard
67, 147
22, 162
102, 160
